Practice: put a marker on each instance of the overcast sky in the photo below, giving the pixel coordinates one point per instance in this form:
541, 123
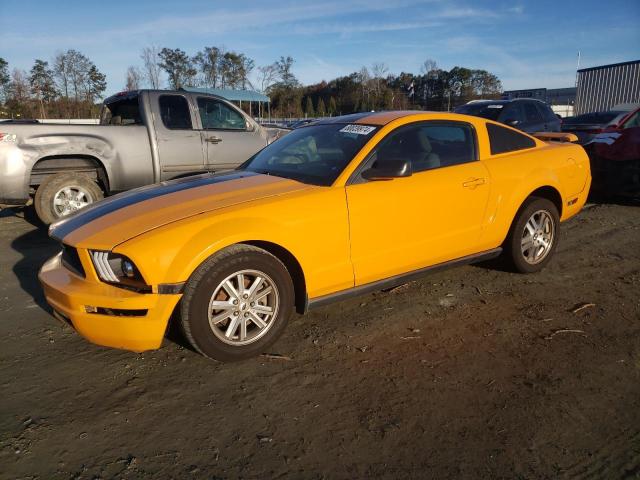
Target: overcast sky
527, 44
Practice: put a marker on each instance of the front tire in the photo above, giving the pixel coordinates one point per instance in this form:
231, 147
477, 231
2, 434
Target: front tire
64, 193
237, 303
533, 237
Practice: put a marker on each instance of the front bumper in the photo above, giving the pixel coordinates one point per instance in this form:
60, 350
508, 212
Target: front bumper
70, 295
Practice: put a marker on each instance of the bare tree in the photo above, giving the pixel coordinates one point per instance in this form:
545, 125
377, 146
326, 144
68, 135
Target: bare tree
152, 69
19, 87
268, 75
134, 78
380, 70
61, 72
78, 69
428, 66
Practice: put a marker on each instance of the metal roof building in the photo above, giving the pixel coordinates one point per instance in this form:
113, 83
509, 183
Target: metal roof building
600, 88
232, 95
247, 96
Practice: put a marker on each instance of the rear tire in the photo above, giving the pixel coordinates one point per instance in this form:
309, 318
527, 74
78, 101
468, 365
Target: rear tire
64, 193
533, 237
237, 303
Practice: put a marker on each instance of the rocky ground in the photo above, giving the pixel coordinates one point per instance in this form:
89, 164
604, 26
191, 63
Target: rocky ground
470, 373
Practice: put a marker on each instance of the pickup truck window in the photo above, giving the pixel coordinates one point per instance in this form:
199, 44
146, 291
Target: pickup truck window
175, 113
218, 116
122, 112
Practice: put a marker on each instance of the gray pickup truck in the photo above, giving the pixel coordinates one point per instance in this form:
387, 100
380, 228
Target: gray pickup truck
144, 137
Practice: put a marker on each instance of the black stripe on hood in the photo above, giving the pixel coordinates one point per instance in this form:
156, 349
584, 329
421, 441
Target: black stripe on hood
64, 227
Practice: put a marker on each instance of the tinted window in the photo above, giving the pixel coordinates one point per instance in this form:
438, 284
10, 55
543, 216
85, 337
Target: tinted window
531, 113
316, 154
547, 113
122, 112
513, 113
428, 146
174, 111
483, 109
217, 115
504, 139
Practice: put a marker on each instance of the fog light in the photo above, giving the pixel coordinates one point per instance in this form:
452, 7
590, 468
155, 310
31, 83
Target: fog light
90, 309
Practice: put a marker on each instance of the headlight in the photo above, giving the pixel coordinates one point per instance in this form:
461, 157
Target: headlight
118, 269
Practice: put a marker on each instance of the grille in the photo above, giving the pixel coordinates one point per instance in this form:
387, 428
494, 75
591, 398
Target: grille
71, 260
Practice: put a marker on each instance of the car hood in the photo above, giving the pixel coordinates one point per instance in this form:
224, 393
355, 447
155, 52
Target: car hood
117, 219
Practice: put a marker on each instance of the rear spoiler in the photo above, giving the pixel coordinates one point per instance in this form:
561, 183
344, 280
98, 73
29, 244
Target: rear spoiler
555, 137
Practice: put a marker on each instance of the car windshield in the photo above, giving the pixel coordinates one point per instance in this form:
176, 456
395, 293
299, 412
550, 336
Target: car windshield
316, 154
484, 110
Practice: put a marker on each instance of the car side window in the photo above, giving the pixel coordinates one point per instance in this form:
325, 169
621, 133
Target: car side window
174, 110
218, 116
503, 140
531, 113
428, 145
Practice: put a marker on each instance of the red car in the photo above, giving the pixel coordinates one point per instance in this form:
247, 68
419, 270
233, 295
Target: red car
615, 158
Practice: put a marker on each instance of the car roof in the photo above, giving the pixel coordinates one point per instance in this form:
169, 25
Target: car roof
502, 101
375, 118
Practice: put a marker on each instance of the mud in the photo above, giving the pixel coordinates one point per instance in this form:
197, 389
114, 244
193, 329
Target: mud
470, 373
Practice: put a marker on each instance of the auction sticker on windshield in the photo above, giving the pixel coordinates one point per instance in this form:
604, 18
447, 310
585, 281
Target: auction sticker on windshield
358, 129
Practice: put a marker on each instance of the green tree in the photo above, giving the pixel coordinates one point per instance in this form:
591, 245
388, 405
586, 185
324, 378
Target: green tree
96, 84
42, 84
333, 109
179, 67
208, 60
5, 79
308, 108
322, 111
287, 78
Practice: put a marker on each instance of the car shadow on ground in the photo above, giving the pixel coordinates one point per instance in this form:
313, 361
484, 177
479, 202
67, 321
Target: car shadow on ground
35, 247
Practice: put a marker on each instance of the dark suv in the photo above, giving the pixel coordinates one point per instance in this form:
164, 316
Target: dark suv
528, 115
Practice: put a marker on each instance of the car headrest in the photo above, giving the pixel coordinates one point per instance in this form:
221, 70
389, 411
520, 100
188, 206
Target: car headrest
423, 140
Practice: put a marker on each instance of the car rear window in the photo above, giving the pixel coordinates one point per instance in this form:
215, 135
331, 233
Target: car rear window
122, 112
485, 110
503, 140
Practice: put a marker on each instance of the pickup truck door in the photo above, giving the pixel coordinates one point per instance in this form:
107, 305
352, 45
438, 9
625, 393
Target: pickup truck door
179, 144
227, 137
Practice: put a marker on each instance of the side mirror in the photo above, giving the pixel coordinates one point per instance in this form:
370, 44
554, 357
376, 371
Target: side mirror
387, 169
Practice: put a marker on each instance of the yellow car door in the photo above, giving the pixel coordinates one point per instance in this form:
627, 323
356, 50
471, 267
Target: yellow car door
436, 214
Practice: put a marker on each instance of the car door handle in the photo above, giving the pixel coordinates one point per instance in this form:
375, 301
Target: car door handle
214, 140
473, 182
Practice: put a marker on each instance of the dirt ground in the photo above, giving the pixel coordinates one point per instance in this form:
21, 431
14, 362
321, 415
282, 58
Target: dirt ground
470, 373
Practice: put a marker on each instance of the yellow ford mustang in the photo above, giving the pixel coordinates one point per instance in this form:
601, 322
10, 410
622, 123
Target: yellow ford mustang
341, 207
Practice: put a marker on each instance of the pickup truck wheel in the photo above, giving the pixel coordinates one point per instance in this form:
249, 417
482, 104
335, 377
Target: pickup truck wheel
237, 303
534, 235
64, 193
